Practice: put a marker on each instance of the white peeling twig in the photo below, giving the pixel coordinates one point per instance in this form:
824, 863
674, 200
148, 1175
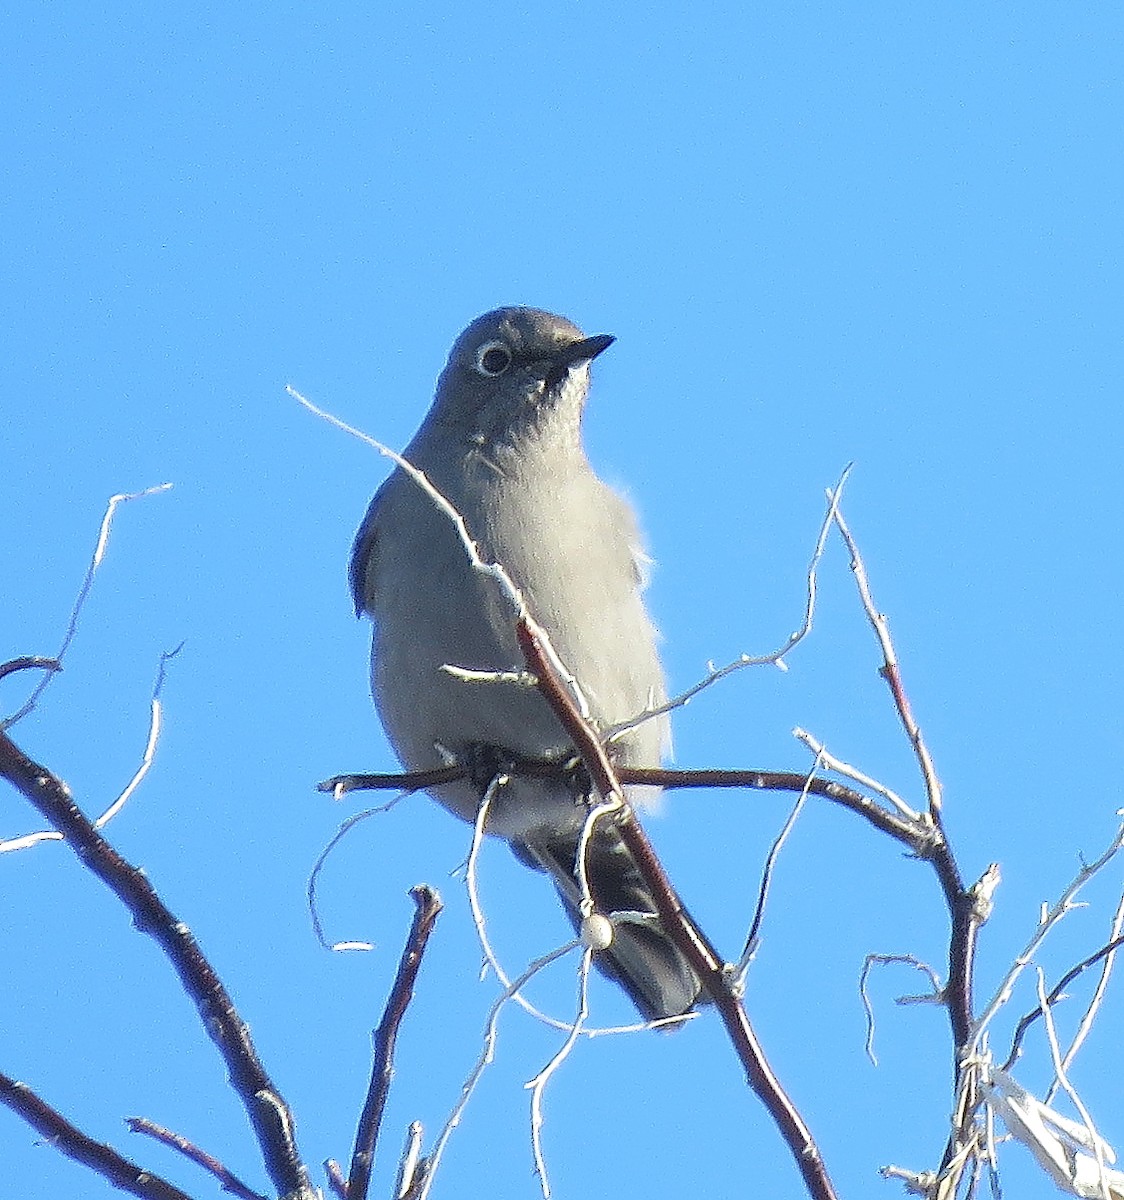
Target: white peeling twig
538, 1084
408, 1163
1064, 905
468, 675
831, 763
480, 923
154, 725
322, 858
891, 671
1068, 1151
150, 747
83, 593
773, 658
1092, 1138
484, 1061
1094, 1004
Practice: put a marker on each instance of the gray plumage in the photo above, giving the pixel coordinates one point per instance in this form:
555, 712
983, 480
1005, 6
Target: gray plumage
502, 442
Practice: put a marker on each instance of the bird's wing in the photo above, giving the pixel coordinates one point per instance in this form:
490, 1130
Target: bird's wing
362, 552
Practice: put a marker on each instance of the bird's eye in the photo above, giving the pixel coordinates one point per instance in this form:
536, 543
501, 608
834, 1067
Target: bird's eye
493, 358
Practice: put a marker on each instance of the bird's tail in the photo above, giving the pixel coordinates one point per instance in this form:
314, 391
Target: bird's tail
642, 958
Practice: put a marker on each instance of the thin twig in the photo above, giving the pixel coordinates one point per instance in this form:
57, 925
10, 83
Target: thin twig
337, 1181
68, 1139
83, 593
750, 948
1060, 1075
774, 657
410, 1162
891, 672
1057, 993
175, 1141
487, 1054
919, 839
880, 960
538, 1084
1093, 1007
492, 570
428, 905
405, 781
831, 763
967, 908
154, 722
321, 860
29, 662
1063, 906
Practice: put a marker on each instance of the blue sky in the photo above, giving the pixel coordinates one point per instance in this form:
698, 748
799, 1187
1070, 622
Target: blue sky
883, 234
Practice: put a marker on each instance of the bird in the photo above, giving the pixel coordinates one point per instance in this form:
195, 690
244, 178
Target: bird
502, 443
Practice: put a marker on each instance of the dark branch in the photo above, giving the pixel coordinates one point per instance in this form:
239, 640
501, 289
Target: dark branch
428, 905
71, 1141
269, 1115
175, 1141
406, 781
29, 662
919, 839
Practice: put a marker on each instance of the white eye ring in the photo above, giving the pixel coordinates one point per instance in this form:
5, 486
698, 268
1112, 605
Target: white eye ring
493, 358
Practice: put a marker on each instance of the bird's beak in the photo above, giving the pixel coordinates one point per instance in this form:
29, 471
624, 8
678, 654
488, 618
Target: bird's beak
574, 355
583, 351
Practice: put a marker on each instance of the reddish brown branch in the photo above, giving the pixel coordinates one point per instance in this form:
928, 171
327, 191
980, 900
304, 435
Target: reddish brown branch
428, 905
176, 1141
679, 925
71, 1141
269, 1115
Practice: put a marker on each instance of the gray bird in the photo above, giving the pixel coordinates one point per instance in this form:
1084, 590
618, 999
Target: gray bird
502, 442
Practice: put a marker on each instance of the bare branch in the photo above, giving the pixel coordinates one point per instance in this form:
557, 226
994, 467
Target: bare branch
269, 1115
405, 781
411, 1166
1063, 906
175, 1141
68, 1139
29, 662
831, 763
538, 1084
750, 948
337, 1181
772, 658
1093, 1007
322, 858
83, 593
1093, 1138
487, 1054
1057, 993
891, 672
881, 960
428, 905
154, 721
